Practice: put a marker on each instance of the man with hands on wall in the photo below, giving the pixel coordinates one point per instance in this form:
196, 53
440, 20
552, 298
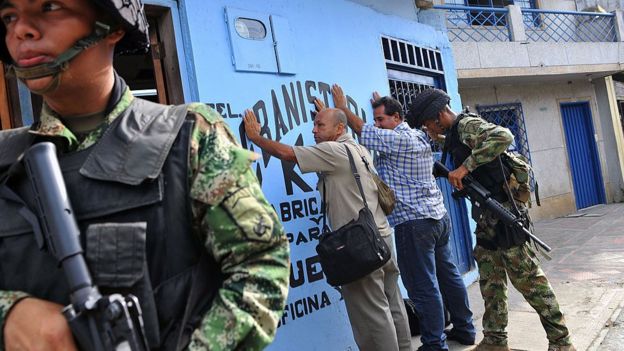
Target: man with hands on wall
374, 303
421, 225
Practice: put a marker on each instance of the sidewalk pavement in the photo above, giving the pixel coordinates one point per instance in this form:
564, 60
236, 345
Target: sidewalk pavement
587, 274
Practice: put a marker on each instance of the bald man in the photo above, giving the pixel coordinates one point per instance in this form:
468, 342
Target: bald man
374, 303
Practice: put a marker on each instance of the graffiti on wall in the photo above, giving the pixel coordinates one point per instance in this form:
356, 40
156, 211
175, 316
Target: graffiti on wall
287, 116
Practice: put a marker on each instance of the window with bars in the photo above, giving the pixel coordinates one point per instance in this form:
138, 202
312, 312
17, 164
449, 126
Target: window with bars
411, 70
405, 85
510, 116
483, 18
408, 57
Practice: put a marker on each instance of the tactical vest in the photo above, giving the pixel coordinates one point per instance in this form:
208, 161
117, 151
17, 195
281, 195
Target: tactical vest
491, 175
130, 194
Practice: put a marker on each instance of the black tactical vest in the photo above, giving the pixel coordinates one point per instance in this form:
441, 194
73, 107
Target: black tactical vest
130, 194
491, 175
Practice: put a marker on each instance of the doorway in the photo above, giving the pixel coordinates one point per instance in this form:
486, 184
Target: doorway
583, 154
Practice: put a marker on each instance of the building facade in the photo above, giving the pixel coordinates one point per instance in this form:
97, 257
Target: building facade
546, 70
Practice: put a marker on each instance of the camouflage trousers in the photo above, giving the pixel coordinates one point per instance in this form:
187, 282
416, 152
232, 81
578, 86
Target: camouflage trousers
520, 264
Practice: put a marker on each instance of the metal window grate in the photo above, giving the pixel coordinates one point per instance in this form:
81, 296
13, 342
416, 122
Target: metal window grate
510, 116
408, 85
404, 54
404, 91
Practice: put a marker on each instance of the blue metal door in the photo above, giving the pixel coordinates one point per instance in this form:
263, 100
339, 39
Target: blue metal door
583, 154
461, 236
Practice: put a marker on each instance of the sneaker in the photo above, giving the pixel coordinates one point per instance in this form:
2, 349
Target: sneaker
561, 348
460, 337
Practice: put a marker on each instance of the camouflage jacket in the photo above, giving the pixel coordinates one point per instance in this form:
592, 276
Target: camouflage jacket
487, 140
248, 305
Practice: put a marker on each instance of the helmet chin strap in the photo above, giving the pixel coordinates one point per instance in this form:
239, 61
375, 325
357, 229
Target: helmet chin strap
61, 63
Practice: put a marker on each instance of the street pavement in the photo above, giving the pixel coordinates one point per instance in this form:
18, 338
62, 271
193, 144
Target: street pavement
587, 274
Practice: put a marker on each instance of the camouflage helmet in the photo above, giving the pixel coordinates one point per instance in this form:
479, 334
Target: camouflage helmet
128, 14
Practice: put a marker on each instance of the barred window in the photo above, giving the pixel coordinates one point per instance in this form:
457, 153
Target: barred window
510, 116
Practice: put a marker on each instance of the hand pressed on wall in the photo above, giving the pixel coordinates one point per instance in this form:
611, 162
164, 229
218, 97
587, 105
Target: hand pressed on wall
340, 100
319, 105
375, 98
252, 126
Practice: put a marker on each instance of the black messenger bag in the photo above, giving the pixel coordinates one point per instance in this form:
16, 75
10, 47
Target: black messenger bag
355, 249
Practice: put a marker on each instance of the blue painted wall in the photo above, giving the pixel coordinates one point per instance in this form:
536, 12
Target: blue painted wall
335, 41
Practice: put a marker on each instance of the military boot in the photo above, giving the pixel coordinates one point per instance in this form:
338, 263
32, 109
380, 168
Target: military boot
561, 348
489, 347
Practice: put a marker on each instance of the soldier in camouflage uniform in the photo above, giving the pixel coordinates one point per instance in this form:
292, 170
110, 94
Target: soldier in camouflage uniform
209, 230
479, 148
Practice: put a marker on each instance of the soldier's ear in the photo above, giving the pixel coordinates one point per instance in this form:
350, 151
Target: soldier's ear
116, 36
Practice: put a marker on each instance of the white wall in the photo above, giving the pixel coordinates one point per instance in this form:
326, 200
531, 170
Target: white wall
608, 5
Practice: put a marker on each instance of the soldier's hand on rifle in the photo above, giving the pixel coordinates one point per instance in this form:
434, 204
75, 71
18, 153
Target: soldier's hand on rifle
455, 177
34, 324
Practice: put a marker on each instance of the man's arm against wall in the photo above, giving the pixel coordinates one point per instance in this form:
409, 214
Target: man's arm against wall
274, 148
316, 158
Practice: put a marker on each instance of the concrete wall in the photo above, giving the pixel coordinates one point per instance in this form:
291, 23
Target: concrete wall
540, 104
564, 5
401, 8
492, 59
608, 5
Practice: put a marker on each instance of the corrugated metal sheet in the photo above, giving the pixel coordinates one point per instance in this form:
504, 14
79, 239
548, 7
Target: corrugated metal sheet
582, 154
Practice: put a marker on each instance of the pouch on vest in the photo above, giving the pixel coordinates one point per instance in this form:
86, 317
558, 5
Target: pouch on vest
519, 179
115, 253
508, 237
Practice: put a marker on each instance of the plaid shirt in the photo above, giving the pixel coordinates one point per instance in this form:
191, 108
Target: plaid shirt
405, 161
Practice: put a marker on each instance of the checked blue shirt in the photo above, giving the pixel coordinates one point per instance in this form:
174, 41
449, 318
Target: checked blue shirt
404, 160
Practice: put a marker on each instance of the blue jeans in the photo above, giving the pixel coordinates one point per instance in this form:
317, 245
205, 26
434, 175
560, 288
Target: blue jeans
432, 279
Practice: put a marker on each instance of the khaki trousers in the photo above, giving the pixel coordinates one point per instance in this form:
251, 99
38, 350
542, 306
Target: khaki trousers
376, 309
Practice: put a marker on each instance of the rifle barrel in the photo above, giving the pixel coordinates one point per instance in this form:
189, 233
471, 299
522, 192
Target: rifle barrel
537, 240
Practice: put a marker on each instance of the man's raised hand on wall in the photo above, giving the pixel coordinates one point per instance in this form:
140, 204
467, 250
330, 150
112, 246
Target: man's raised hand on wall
252, 126
375, 97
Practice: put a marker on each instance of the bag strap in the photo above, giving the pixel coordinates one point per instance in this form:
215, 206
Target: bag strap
324, 207
356, 175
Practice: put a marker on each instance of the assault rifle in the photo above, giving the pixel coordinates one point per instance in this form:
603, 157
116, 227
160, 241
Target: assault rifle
482, 198
98, 323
